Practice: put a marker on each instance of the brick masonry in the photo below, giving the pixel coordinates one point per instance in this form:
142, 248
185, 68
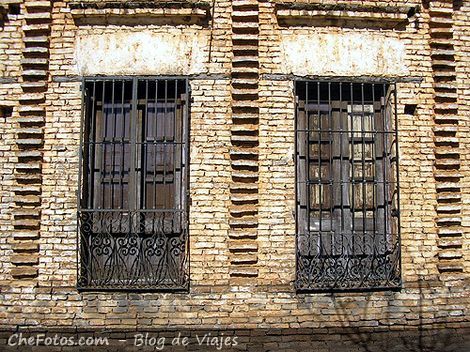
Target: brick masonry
267, 298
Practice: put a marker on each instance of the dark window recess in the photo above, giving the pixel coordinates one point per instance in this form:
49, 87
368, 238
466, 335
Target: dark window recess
347, 201
14, 9
6, 111
410, 109
133, 193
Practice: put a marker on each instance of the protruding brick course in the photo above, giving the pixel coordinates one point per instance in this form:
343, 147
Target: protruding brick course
27, 215
447, 145
244, 151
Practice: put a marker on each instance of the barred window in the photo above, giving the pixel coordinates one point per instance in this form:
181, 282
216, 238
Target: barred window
134, 172
347, 186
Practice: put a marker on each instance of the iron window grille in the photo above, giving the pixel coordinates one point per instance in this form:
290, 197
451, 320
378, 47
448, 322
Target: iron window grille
347, 189
132, 211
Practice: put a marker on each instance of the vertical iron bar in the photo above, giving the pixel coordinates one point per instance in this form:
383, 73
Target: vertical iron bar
103, 148
331, 184
123, 146
341, 161
144, 148
320, 178
375, 202
181, 146
174, 146
91, 141
364, 195
113, 145
132, 177
155, 140
164, 146
307, 165
397, 185
353, 183
384, 163
186, 121
81, 146
184, 166
296, 185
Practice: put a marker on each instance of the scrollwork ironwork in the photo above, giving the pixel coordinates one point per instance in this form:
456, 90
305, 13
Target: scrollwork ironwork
132, 250
349, 271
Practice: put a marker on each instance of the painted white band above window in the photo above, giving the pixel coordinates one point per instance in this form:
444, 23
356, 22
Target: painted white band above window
141, 53
344, 54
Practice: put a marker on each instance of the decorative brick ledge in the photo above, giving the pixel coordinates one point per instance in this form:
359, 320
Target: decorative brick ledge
243, 221
309, 14
30, 140
135, 4
447, 145
139, 12
5, 7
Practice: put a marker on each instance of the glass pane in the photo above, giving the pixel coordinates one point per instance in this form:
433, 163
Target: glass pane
321, 196
320, 151
361, 151
361, 119
364, 171
363, 194
320, 172
319, 125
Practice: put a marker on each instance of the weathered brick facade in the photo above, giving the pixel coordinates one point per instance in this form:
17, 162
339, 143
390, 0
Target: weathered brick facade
242, 235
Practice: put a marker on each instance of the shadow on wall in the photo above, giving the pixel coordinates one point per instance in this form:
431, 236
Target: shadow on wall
378, 337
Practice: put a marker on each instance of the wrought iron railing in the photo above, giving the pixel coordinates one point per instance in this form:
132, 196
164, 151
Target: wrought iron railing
348, 231
132, 206
133, 250
380, 269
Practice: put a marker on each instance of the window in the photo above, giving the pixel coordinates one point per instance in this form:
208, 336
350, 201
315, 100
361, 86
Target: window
347, 186
133, 191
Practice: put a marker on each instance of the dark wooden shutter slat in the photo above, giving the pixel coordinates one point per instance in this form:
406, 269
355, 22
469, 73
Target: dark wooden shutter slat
178, 195
302, 168
379, 173
390, 175
302, 200
97, 166
341, 213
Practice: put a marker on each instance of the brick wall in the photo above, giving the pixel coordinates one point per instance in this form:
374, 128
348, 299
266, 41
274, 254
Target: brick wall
428, 297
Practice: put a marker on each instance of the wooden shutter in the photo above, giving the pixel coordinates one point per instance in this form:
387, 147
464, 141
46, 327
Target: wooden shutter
391, 226
302, 188
179, 157
342, 238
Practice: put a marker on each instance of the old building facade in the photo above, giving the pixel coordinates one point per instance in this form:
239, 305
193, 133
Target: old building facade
235, 165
